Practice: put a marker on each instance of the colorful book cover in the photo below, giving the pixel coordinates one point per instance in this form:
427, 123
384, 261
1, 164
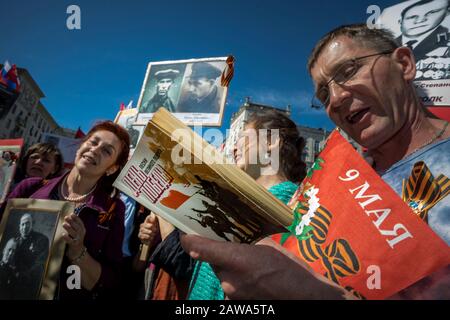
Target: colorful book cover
190, 194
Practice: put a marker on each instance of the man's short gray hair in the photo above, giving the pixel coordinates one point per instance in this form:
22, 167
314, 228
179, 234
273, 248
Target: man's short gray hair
377, 39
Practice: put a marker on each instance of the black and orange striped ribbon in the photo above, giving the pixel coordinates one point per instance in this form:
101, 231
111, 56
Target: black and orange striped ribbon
107, 216
338, 258
228, 72
421, 191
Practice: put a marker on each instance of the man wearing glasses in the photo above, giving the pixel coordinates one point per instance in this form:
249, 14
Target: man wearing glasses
364, 81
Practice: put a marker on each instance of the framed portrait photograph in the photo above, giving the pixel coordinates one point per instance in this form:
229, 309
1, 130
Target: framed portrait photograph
9, 155
136, 131
424, 27
127, 119
190, 89
126, 116
32, 248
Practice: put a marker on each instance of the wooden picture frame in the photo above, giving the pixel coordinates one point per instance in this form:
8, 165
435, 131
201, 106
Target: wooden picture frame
31, 248
10, 151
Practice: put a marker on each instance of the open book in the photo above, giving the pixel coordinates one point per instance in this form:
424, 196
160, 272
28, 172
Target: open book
180, 177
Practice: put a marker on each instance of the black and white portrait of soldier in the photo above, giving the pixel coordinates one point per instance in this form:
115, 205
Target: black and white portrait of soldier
201, 93
420, 24
31, 255
161, 98
31, 233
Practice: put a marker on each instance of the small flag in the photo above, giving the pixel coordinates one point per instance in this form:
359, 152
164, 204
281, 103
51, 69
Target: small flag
122, 106
79, 134
9, 77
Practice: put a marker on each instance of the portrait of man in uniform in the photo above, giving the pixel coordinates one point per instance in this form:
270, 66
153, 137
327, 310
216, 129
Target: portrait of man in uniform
26, 248
424, 29
195, 90
164, 81
201, 93
421, 26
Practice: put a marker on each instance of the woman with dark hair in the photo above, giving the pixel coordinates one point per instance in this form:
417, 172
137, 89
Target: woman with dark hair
269, 149
42, 160
94, 232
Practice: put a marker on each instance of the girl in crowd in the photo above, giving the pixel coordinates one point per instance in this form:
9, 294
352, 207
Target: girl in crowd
282, 182
280, 179
42, 160
94, 232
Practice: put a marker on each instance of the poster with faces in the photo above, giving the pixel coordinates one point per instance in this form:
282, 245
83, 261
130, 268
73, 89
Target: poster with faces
190, 89
424, 26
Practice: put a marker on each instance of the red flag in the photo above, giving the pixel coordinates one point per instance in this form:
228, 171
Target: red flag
10, 77
122, 106
79, 134
349, 224
174, 200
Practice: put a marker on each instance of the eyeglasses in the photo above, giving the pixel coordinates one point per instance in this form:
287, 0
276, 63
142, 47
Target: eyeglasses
344, 73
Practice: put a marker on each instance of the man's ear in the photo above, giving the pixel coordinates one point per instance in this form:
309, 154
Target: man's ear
407, 62
111, 170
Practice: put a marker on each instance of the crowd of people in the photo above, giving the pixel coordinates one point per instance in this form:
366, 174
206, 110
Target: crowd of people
363, 79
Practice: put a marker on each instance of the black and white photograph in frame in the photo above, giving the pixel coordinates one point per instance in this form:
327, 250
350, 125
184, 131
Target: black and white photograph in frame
138, 131
424, 27
31, 248
9, 155
127, 119
190, 89
162, 88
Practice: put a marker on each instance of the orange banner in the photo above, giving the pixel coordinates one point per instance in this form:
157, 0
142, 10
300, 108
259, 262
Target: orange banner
353, 228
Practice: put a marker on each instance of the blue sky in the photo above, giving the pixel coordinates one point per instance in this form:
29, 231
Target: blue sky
86, 74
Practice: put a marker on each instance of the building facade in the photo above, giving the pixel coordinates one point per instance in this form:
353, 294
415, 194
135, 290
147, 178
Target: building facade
314, 142
28, 118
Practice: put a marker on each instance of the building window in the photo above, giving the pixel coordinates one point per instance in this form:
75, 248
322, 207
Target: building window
316, 146
8, 124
